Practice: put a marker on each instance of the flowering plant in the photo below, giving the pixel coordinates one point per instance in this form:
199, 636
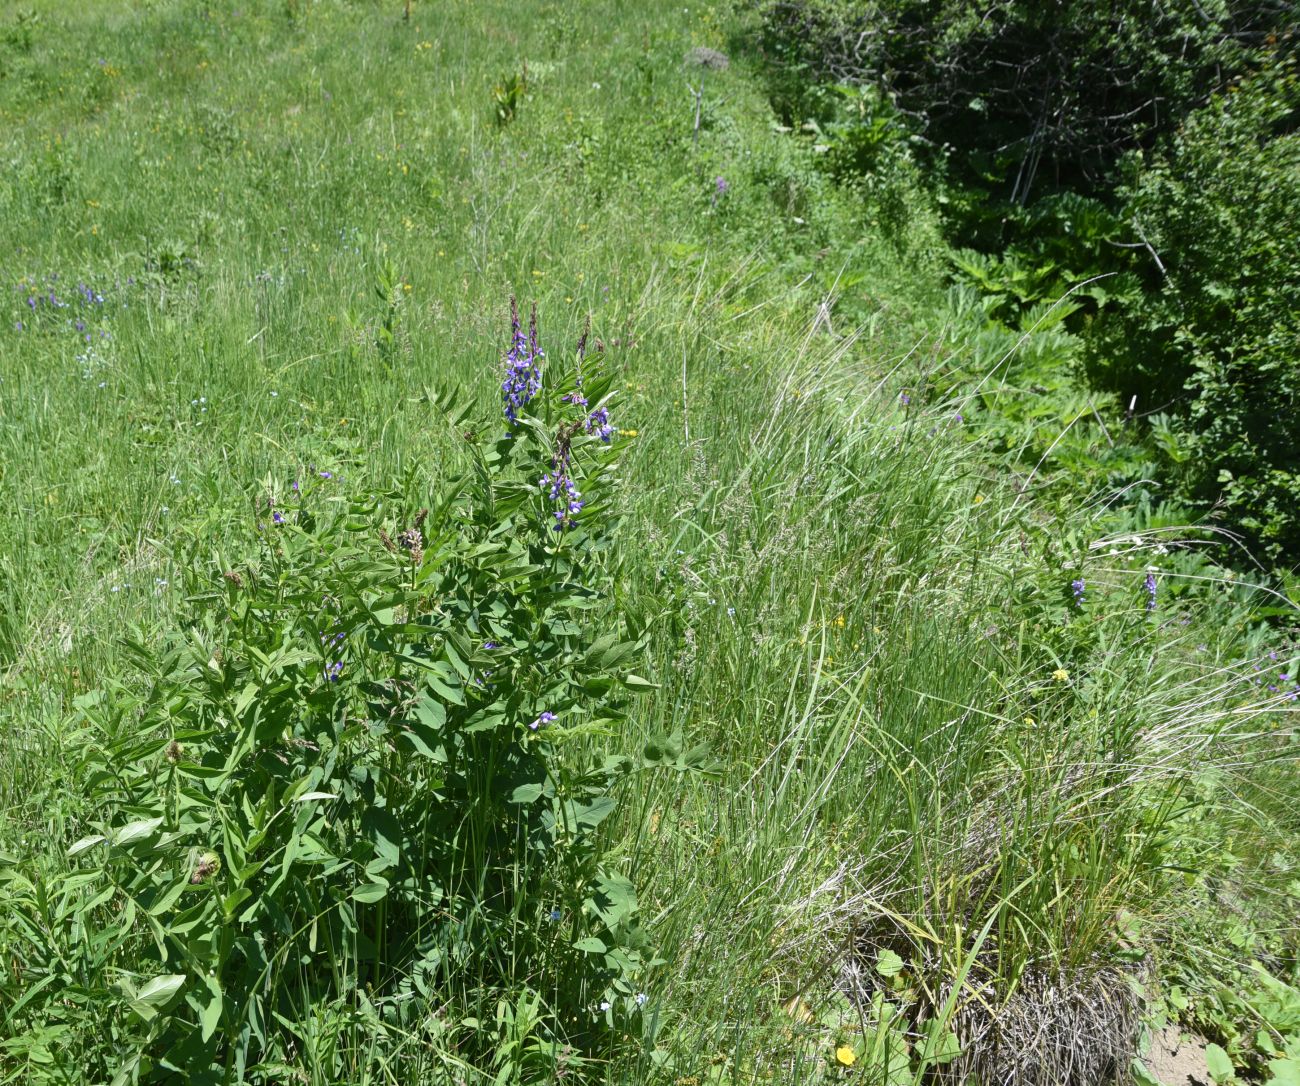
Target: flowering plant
376, 739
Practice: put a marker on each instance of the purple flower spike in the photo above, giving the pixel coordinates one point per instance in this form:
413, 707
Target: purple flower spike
523, 366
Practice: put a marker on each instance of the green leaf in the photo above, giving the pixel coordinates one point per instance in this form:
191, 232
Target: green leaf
1218, 1063
888, 963
941, 1045
156, 994
1142, 1075
635, 682
385, 834
1284, 1072
590, 945
594, 813
85, 843
168, 898
210, 1016
141, 830
527, 793
369, 892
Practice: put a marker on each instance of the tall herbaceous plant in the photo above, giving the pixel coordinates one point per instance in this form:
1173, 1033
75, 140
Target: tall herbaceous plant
363, 777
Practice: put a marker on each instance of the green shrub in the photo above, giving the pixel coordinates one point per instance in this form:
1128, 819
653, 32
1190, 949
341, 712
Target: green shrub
1220, 331
1023, 97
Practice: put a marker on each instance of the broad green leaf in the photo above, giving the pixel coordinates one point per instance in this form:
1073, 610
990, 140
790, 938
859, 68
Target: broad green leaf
85, 843
156, 994
315, 795
590, 945
1284, 1072
888, 963
369, 892
385, 834
210, 1017
168, 898
1142, 1075
595, 812
1218, 1063
140, 830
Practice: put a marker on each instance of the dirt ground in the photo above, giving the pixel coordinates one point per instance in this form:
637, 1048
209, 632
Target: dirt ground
1177, 1059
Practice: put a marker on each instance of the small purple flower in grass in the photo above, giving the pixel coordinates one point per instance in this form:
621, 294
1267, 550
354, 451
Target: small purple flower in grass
904, 398
1078, 587
1150, 585
278, 517
491, 645
542, 720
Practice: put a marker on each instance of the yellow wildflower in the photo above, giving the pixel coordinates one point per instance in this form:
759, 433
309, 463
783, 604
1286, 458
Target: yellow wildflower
845, 1056
1061, 675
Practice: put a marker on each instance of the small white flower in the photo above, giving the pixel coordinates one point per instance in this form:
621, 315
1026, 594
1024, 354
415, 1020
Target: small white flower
604, 1004
641, 998
595, 86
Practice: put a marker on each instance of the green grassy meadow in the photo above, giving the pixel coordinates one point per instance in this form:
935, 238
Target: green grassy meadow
919, 790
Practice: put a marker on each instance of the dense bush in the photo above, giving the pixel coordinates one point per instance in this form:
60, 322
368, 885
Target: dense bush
1218, 333
1026, 97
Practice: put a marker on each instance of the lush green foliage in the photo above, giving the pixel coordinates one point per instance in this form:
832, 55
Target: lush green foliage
1024, 96
1222, 317
913, 748
1139, 159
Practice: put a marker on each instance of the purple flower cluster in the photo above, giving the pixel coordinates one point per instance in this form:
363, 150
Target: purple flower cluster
523, 365
1078, 587
542, 720
333, 643
44, 301
1150, 585
560, 488
1276, 685
598, 423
